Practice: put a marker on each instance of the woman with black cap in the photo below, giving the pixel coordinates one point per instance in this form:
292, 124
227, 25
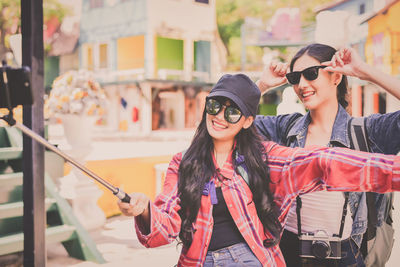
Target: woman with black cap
227, 196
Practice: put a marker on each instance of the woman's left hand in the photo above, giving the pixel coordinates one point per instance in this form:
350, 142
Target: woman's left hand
348, 62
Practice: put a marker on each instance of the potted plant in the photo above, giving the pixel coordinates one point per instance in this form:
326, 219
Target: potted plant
78, 100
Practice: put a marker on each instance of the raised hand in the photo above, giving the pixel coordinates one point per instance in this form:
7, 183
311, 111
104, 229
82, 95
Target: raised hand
348, 62
273, 76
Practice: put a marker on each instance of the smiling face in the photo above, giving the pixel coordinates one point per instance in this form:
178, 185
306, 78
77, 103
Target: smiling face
318, 92
221, 130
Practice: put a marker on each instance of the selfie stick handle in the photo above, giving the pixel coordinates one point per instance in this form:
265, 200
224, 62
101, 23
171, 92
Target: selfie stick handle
9, 118
12, 122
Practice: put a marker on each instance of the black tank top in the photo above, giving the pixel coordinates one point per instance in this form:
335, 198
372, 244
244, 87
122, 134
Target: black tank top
225, 233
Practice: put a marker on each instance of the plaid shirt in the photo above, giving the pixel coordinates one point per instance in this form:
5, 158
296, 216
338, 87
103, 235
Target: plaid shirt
293, 171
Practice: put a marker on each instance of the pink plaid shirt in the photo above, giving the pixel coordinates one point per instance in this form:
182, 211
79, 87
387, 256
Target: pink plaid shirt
293, 171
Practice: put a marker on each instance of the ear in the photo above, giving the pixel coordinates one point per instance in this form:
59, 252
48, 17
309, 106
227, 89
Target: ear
248, 122
337, 78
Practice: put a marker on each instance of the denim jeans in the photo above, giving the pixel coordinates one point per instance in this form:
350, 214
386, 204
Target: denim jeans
351, 255
238, 255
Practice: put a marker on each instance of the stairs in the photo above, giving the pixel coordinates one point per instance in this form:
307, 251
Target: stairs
62, 225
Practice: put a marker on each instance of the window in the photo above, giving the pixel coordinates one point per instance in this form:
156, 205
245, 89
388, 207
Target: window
95, 56
96, 3
130, 52
87, 58
103, 56
202, 56
169, 53
202, 1
361, 9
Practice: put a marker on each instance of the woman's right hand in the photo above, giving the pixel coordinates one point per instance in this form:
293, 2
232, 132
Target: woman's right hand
273, 76
139, 205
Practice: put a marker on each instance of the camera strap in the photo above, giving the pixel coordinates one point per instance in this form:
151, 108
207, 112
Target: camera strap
344, 213
298, 208
346, 201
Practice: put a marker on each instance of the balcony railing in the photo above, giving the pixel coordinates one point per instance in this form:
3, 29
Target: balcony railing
109, 76
171, 74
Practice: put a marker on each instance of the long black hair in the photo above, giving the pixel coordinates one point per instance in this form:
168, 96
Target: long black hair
324, 53
197, 167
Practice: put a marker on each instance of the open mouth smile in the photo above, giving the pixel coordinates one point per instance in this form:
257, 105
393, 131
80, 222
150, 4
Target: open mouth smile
218, 126
307, 94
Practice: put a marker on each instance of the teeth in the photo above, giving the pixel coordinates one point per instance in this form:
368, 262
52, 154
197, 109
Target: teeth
307, 94
219, 125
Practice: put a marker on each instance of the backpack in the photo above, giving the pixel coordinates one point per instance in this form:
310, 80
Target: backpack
377, 242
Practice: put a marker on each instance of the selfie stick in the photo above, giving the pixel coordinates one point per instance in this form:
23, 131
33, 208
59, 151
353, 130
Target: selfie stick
12, 122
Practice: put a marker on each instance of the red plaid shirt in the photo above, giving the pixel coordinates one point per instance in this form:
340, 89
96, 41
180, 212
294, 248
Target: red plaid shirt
293, 171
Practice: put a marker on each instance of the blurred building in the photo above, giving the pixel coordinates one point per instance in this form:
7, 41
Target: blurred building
369, 26
155, 58
61, 43
355, 7
382, 49
281, 31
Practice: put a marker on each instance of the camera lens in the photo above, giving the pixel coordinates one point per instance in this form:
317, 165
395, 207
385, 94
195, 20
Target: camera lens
320, 249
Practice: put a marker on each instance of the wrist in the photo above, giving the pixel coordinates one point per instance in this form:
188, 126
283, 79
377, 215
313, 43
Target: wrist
366, 72
262, 86
146, 212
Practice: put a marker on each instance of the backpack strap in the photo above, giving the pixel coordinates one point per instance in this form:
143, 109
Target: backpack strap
358, 135
358, 141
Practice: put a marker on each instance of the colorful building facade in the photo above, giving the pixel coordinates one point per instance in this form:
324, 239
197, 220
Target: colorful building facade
382, 49
368, 27
154, 57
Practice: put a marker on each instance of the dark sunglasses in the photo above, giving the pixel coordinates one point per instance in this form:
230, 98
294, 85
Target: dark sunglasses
231, 114
309, 74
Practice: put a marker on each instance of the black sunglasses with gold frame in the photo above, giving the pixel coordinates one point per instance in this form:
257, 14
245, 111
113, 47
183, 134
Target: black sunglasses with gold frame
232, 114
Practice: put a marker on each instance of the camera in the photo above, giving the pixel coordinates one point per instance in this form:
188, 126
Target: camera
18, 87
320, 245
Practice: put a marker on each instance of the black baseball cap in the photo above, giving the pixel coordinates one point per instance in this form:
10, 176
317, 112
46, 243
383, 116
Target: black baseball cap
241, 90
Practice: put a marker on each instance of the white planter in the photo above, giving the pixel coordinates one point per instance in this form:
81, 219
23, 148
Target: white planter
77, 187
78, 131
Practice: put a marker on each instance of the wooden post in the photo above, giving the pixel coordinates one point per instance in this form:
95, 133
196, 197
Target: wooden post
33, 153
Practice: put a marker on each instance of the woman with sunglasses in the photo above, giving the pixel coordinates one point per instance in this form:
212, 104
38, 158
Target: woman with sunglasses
227, 196
317, 74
